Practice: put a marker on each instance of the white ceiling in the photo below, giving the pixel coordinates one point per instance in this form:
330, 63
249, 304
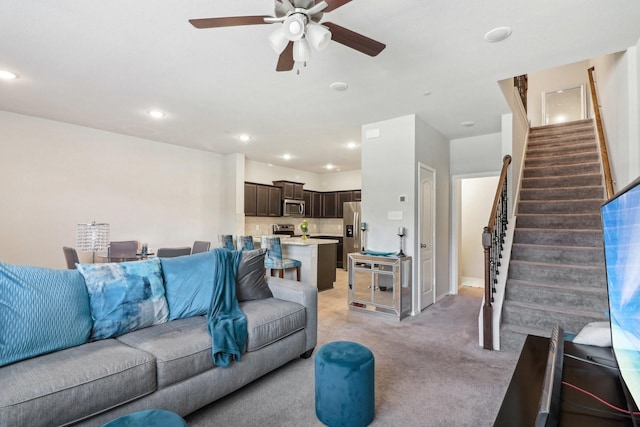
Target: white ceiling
104, 64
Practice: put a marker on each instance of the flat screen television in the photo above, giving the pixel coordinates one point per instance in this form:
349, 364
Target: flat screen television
621, 226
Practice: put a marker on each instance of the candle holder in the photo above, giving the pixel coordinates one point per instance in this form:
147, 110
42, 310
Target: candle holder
363, 227
401, 234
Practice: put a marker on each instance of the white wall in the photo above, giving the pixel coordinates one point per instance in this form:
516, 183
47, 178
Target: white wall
477, 196
617, 79
476, 154
56, 175
566, 76
264, 173
390, 165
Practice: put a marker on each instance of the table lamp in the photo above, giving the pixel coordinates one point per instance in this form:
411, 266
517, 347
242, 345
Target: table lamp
93, 237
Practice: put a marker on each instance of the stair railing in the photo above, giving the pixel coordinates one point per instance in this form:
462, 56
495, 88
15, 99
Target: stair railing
606, 166
492, 241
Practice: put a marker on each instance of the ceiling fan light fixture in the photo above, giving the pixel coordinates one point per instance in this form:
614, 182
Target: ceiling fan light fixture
301, 50
319, 36
278, 41
293, 27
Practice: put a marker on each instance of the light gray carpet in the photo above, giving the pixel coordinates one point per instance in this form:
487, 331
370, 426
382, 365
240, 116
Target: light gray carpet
429, 370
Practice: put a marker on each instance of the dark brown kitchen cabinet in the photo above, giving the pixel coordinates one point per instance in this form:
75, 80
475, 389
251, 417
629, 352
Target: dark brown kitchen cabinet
343, 196
308, 203
316, 205
330, 205
250, 199
262, 200
290, 190
357, 195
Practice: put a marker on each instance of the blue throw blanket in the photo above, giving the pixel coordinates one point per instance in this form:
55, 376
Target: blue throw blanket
227, 324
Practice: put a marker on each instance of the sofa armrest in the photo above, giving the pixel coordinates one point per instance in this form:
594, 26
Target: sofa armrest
302, 293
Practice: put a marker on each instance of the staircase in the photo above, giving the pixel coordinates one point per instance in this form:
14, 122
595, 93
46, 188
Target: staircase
556, 272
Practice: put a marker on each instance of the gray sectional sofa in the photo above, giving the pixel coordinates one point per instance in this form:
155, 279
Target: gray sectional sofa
167, 365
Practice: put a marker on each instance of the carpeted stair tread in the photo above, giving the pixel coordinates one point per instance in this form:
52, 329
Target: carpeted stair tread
575, 255
561, 170
559, 206
550, 294
549, 150
561, 193
551, 140
560, 274
545, 317
547, 236
562, 160
560, 221
566, 181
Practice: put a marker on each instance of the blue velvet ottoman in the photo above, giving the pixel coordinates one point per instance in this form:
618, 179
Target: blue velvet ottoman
148, 418
345, 395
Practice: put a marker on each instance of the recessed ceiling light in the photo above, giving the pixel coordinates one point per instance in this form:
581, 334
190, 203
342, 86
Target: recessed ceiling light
352, 145
467, 124
497, 34
339, 86
286, 156
330, 166
7, 75
156, 114
244, 137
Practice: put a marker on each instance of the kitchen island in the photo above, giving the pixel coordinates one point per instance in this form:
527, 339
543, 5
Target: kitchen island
318, 258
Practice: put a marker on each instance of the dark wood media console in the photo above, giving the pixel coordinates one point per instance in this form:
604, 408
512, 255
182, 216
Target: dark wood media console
520, 404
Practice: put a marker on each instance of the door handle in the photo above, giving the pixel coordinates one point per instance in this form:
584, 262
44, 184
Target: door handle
423, 245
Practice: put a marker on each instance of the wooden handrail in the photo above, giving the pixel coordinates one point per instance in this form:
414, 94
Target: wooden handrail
492, 239
606, 166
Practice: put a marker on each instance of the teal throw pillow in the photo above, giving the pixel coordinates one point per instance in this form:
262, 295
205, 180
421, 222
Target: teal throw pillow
188, 282
124, 296
41, 310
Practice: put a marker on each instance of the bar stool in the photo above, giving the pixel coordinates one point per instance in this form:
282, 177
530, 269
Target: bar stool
226, 241
274, 260
245, 243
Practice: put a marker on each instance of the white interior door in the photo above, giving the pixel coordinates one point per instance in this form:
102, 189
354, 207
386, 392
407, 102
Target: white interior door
427, 236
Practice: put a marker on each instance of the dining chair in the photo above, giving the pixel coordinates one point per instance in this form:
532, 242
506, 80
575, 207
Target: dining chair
123, 251
245, 243
226, 241
274, 260
173, 252
200, 246
71, 256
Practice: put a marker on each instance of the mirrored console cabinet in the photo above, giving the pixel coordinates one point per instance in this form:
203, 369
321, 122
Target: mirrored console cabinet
380, 285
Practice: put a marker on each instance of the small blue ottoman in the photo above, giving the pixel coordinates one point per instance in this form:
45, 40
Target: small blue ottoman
148, 418
345, 394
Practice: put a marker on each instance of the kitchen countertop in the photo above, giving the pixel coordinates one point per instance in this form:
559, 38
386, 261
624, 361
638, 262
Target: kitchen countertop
308, 242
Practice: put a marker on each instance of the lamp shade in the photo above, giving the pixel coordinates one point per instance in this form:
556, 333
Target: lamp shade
319, 36
301, 50
278, 41
294, 26
93, 237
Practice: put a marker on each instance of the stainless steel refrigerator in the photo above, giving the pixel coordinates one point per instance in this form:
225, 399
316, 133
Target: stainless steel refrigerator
351, 218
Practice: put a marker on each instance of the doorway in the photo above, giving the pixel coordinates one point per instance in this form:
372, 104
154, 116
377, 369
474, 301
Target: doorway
564, 105
427, 215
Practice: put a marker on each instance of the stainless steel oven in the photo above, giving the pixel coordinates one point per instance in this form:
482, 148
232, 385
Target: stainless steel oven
293, 208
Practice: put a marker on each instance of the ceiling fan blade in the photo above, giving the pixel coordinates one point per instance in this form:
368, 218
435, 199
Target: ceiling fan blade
354, 40
285, 61
230, 21
334, 4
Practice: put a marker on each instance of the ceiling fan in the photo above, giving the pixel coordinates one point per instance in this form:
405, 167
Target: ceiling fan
300, 28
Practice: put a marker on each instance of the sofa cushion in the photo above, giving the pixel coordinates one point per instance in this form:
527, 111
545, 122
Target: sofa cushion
188, 282
124, 296
41, 310
271, 319
182, 348
75, 383
251, 280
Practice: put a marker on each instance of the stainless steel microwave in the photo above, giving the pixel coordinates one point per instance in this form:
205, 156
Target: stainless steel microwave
293, 207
